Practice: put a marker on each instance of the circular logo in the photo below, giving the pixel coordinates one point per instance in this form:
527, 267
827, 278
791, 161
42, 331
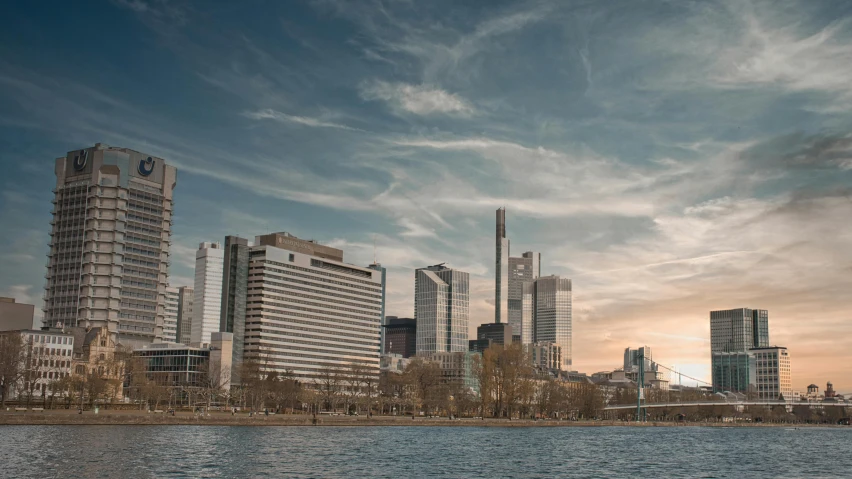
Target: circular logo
80, 160
146, 166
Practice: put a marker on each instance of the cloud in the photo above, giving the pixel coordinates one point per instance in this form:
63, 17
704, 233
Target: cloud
779, 53
269, 114
417, 99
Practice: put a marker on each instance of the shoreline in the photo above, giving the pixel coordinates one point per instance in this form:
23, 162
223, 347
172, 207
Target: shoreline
137, 418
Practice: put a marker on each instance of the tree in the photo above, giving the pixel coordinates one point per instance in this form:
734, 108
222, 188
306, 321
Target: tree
330, 387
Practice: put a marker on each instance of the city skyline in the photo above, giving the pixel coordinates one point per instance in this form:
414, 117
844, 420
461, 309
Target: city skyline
626, 163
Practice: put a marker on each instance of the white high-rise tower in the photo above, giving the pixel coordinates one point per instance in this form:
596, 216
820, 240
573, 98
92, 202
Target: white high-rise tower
207, 305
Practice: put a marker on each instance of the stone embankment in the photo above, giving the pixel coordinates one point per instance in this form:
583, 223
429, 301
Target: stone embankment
140, 418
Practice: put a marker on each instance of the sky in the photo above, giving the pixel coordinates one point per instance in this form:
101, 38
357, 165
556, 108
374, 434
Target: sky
670, 157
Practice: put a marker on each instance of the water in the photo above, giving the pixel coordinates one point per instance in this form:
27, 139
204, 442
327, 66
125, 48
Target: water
402, 452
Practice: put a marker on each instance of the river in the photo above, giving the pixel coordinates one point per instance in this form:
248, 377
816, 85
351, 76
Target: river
402, 452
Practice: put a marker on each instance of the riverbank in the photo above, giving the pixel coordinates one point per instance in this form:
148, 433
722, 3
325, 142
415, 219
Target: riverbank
139, 418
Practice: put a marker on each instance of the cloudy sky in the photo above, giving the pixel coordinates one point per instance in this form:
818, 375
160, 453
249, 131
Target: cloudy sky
671, 157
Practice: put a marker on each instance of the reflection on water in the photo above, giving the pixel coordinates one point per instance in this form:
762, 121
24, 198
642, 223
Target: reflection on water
399, 452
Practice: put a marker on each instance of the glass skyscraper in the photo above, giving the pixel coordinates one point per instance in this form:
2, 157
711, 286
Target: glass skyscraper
441, 309
549, 301
501, 270
733, 333
524, 269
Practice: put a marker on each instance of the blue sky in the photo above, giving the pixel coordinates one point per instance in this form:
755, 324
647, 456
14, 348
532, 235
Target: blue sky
669, 157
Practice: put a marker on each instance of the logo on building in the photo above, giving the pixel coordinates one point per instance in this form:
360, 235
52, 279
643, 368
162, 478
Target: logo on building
80, 160
146, 166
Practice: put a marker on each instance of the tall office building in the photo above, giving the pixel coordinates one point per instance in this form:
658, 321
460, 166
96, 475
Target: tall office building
548, 299
441, 309
378, 267
186, 300
170, 320
733, 334
524, 269
307, 311
739, 329
109, 246
632, 358
501, 270
234, 287
209, 264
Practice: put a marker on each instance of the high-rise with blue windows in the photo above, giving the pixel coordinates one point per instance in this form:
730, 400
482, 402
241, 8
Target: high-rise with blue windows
109, 243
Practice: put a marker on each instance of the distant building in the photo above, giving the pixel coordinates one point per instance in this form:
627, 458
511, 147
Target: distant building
740, 329
307, 311
501, 270
235, 272
479, 345
524, 269
109, 247
170, 320
545, 355
632, 358
441, 309
499, 333
773, 378
549, 300
94, 356
186, 300
207, 307
50, 354
393, 363
456, 368
735, 335
200, 365
15, 316
733, 371
378, 267
829, 391
400, 336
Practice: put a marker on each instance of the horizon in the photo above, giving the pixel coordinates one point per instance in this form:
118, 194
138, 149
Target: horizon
670, 161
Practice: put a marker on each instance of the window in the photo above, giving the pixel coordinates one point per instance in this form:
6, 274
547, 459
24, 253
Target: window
292, 257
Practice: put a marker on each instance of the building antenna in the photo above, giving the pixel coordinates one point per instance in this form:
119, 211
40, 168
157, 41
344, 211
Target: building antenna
374, 249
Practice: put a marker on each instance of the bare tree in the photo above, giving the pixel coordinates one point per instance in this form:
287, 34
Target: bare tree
330, 387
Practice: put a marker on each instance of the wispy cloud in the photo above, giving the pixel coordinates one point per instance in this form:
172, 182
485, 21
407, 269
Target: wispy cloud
417, 99
269, 114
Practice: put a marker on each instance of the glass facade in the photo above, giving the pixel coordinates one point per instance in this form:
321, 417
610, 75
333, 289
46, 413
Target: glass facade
552, 321
733, 371
207, 307
441, 309
234, 288
522, 270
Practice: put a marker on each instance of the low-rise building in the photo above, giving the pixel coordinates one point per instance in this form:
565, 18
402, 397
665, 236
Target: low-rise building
15, 316
546, 355
205, 365
773, 378
47, 358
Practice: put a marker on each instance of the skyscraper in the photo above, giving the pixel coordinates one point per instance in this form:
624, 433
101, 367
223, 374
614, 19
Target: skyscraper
378, 267
234, 285
548, 300
308, 312
441, 309
524, 269
170, 321
631, 358
209, 264
109, 246
738, 329
501, 270
733, 334
186, 299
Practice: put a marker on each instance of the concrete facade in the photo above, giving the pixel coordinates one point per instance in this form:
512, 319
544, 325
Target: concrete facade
109, 246
15, 316
307, 313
